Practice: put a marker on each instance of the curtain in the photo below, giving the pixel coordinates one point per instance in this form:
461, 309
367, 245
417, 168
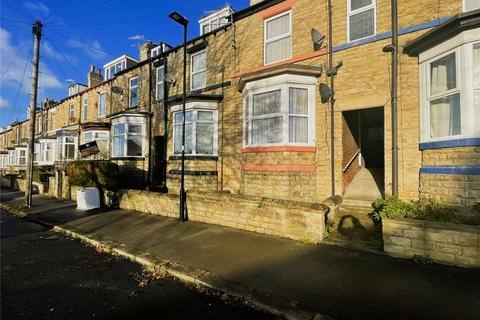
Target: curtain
362, 24
357, 4
445, 116
266, 103
268, 130
281, 48
443, 74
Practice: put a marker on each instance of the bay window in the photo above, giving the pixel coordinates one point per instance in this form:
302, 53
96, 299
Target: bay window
128, 137
45, 151
361, 19
21, 156
36, 153
200, 131
450, 94
281, 113
278, 38
101, 137
67, 148
198, 70
160, 79
134, 92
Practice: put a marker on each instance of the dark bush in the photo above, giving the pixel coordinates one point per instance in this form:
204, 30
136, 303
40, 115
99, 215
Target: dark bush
40, 176
424, 209
101, 174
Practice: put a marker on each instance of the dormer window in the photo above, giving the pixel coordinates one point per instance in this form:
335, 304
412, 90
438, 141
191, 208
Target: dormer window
118, 65
215, 20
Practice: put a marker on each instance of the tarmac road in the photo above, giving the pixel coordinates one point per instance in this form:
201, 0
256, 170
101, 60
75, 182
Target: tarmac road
47, 276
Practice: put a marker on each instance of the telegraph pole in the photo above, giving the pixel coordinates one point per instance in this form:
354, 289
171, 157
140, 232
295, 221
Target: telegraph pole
37, 34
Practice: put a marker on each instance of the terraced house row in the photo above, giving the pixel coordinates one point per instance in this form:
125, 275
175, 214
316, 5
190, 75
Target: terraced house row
256, 125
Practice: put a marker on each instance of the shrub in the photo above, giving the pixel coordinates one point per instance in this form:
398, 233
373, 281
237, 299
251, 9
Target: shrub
424, 209
101, 174
40, 176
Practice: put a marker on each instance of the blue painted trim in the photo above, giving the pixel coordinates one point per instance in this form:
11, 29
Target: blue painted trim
474, 171
386, 35
450, 143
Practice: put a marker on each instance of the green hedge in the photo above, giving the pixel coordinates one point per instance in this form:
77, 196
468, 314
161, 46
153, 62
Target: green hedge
102, 174
425, 209
40, 176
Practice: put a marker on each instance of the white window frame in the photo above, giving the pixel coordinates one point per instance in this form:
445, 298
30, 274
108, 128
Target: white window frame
44, 150
286, 35
195, 107
85, 108
351, 12
127, 121
462, 46
71, 113
464, 9
61, 143
131, 88
156, 51
100, 104
283, 83
95, 135
159, 83
18, 156
197, 72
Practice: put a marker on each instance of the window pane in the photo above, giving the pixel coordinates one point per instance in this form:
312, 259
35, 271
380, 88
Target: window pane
118, 146
266, 131
133, 97
357, 4
278, 50
266, 103
199, 80
101, 136
70, 151
134, 145
188, 139
189, 116
88, 136
204, 138
205, 116
206, 28
69, 140
134, 82
298, 129
178, 118
443, 74
362, 24
177, 148
278, 26
133, 128
199, 62
119, 129
476, 65
445, 116
298, 101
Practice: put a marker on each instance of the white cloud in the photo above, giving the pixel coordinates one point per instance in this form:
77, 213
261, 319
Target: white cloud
58, 56
13, 59
93, 49
37, 7
4, 103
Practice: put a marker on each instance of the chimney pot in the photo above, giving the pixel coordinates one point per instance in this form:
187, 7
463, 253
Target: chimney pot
92, 68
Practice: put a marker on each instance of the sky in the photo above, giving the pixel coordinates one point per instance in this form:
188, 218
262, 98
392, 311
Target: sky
77, 34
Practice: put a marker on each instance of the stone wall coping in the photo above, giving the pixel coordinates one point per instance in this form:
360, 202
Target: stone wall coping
434, 225
222, 196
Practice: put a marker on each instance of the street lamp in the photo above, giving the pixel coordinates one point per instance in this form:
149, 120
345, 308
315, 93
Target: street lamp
183, 196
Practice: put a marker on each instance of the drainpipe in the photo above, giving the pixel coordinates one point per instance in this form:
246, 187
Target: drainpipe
394, 98
150, 115
165, 123
332, 100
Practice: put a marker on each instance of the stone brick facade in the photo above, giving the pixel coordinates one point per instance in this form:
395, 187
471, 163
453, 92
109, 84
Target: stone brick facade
442, 242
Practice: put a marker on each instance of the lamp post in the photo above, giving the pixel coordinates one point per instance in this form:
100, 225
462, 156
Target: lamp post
178, 18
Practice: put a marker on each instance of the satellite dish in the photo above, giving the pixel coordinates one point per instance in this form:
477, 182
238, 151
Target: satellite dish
317, 39
325, 93
117, 90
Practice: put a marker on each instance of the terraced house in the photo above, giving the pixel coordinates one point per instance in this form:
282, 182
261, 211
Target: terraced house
256, 126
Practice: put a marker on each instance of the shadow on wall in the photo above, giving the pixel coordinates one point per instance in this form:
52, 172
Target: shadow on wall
132, 178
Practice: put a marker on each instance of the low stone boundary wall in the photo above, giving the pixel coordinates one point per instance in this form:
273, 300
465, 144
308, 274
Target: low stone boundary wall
20, 184
288, 219
454, 244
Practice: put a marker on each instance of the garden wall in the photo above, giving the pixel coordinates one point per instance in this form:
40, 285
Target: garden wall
289, 219
454, 244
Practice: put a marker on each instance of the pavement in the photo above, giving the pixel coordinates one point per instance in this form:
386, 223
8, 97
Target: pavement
46, 275
285, 277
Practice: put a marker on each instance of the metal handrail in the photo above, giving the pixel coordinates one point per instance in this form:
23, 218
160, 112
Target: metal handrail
351, 160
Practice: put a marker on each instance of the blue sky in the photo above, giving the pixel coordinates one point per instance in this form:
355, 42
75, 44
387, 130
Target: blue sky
77, 34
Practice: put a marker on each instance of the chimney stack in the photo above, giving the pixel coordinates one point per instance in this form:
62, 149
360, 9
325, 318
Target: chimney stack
94, 79
145, 50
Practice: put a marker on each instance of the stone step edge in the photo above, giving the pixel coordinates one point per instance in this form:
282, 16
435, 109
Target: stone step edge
258, 300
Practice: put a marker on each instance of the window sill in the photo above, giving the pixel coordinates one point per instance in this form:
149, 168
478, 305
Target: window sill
129, 158
193, 157
306, 149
